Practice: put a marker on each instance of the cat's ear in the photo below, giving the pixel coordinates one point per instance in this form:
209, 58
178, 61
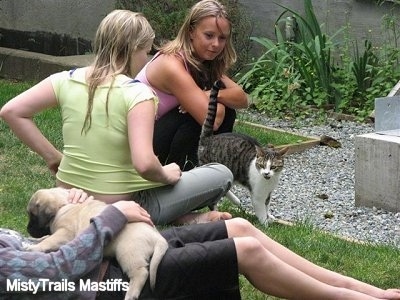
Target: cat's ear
260, 151
283, 151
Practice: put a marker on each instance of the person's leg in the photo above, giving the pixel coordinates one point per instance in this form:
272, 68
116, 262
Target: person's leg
176, 137
165, 129
242, 228
184, 144
271, 275
197, 188
178, 236
228, 122
200, 263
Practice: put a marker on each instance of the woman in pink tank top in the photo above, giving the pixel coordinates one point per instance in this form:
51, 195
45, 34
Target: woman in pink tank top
182, 74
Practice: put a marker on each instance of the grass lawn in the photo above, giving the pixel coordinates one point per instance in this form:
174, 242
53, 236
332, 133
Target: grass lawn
22, 172
266, 135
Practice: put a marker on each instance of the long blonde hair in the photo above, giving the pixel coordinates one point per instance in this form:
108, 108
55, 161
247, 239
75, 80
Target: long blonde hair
119, 35
182, 43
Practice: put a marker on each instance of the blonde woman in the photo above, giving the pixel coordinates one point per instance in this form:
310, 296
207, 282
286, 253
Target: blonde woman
108, 123
181, 74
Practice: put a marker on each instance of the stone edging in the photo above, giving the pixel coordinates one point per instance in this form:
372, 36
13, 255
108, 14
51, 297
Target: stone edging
32, 66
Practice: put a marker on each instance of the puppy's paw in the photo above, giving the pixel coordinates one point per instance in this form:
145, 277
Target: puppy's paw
32, 248
37, 248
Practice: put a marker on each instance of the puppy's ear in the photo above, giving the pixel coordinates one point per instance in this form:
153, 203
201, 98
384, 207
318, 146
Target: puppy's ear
41, 215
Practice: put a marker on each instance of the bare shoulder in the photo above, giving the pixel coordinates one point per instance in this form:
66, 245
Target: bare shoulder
167, 63
163, 68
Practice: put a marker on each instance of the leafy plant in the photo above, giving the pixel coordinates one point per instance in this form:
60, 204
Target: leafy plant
273, 78
362, 67
313, 69
312, 50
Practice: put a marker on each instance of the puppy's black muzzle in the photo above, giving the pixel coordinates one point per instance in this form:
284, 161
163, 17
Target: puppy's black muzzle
39, 226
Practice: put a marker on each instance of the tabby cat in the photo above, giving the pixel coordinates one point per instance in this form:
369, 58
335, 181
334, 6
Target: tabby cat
253, 166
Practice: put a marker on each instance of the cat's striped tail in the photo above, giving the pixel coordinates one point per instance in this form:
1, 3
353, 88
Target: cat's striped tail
208, 125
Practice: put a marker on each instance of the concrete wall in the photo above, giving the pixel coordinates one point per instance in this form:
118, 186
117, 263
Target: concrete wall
72, 17
81, 18
364, 16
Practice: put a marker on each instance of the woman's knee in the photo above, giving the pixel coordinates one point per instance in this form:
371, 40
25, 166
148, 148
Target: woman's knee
221, 170
249, 253
239, 227
215, 172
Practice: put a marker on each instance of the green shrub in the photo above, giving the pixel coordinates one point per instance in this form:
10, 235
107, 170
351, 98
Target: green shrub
317, 69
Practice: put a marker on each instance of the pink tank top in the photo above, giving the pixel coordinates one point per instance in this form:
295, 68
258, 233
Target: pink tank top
166, 101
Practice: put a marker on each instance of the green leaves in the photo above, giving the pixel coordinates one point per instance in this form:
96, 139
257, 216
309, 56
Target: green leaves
326, 70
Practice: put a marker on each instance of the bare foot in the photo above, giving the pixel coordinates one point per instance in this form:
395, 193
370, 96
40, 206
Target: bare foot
197, 218
212, 216
391, 294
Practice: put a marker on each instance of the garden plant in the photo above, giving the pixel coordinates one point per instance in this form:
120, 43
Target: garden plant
315, 69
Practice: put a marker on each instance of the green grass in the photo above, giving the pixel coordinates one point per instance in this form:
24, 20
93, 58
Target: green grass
375, 264
23, 172
267, 136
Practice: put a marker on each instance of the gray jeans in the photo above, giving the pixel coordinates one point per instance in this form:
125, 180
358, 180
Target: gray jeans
197, 188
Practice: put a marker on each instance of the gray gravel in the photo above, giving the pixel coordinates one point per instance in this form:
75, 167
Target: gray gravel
326, 171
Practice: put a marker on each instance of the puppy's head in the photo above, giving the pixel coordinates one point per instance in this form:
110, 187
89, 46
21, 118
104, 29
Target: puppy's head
42, 208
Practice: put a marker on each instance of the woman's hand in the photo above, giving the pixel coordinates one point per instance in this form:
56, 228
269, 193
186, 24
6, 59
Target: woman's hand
182, 110
133, 211
173, 173
78, 196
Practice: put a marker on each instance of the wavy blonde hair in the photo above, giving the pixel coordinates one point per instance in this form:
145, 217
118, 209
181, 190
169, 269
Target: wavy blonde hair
119, 35
182, 43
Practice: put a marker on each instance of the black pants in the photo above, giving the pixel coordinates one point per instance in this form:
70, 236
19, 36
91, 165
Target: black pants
176, 137
200, 264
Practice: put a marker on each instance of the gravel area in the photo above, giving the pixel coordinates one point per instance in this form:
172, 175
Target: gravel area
317, 185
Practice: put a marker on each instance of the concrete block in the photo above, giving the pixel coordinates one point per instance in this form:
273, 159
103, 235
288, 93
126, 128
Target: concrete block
377, 171
387, 113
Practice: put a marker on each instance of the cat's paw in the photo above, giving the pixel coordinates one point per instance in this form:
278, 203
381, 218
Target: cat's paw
270, 218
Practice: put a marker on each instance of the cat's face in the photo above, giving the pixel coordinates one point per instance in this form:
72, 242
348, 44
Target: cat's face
269, 162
